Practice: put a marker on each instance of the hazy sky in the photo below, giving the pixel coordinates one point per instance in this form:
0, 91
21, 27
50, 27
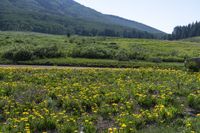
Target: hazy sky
161, 14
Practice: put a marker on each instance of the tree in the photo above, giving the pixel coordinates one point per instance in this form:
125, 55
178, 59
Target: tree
191, 30
68, 35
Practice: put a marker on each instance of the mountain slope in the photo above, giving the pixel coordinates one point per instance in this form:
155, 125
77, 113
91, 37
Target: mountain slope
132, 24
66, 16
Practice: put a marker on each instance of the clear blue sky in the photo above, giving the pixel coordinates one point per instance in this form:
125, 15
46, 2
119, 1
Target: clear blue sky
161, 14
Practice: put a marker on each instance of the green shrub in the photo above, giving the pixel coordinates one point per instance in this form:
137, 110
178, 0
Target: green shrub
122, 55
93, 52
23, 55
9, 55
19, 41
172, 59
90, 129
156, 60
193, 64
18, 55
2, 76
194, 101
44, 124
138, 52
48, 52
69, 127
113, 45
174, 53
137, 55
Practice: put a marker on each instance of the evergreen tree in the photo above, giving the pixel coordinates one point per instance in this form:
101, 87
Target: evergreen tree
190, 30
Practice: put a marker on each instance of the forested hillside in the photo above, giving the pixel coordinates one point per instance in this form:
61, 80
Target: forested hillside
67, 17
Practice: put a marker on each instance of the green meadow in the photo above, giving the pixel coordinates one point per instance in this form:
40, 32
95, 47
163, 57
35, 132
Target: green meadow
44, 49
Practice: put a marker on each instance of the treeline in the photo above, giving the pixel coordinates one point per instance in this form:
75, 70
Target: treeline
84, 31
181, 32
58, 25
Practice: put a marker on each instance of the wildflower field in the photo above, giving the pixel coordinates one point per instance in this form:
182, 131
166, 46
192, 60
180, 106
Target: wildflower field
99, 100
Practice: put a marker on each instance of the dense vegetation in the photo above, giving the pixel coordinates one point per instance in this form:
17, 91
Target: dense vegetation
96, 100
156, 95
35, 48
67, 17
181, 32
77, 27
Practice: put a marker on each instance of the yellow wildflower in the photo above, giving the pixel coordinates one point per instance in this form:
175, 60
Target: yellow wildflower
123, 125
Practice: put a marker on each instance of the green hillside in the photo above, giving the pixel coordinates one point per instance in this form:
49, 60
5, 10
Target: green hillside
67, 16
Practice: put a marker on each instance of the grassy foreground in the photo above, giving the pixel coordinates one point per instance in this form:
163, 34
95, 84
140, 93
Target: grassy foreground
99, 100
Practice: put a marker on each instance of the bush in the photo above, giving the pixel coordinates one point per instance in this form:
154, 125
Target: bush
194, 101
8, 55
122, 55
138, 52
18, 55
23, 55
172, 59
92, 52
193, 64
44, 124
174, 53
156, 60
137, 56
113, 45
48, 52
